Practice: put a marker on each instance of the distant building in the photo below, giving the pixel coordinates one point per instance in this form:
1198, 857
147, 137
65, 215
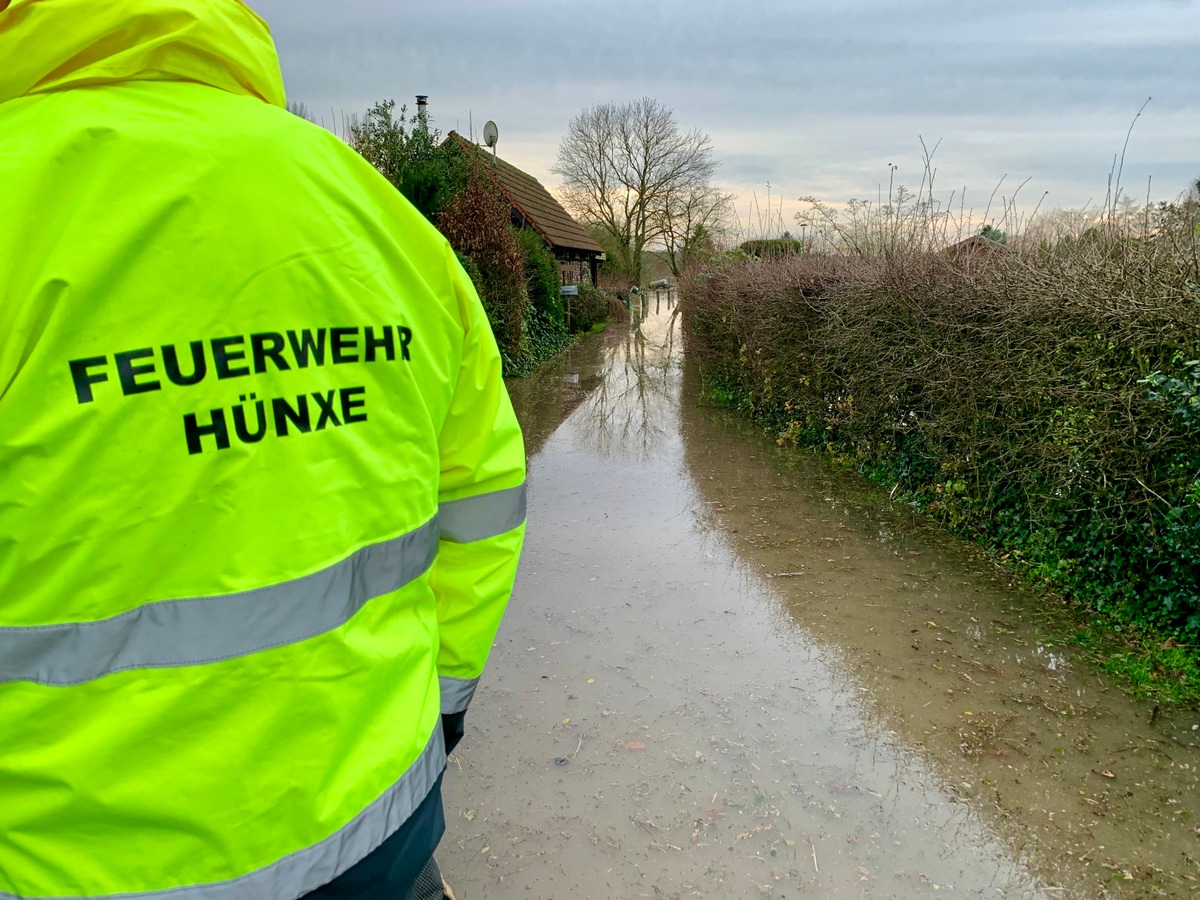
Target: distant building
974, 247
578, 254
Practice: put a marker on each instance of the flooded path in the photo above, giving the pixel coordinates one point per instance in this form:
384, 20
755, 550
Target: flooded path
729, 671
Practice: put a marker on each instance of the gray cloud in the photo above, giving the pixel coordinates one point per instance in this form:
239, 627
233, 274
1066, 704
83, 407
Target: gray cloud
815, 98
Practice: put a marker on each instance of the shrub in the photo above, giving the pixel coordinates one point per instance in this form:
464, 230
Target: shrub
476, 222
1043, 403
408, 154
589, 309
771, 248
545, 332
541, 276
541, 340
472, 271
516, 277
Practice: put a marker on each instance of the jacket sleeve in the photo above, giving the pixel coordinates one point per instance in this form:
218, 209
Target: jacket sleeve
481, 509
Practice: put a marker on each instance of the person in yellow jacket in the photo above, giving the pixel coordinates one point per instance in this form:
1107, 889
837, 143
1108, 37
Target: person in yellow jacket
261, 486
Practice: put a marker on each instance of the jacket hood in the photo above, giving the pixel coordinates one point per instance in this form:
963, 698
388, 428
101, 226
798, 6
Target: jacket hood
48, 45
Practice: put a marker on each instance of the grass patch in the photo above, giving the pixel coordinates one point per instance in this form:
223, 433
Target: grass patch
1143, 663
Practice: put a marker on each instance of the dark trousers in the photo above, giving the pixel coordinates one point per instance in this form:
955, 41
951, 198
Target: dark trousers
402, 866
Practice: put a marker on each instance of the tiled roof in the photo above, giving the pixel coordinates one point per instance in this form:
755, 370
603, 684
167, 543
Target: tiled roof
975, 245
543, 213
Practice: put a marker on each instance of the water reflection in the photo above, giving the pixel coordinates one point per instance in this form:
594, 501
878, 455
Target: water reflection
544, 402
731, 671
949, 659
630, 413
652, 721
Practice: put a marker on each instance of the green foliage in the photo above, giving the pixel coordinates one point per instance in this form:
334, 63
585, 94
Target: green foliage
408, 154
515, 276
541, 276
1181, 395
1162, 670
542, 339
544, 332
588, 310
993, 234
472, 271
771, 248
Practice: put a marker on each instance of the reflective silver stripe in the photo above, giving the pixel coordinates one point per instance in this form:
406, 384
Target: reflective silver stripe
456, 693
201, 630
310, 868
484, 516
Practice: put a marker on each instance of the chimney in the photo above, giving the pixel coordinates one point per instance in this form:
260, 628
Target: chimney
423, 112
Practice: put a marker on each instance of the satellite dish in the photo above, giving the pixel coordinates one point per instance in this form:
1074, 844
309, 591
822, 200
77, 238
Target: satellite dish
491, 134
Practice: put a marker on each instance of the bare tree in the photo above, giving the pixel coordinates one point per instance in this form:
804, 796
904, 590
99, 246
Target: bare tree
621, 164
693, 220
299, 108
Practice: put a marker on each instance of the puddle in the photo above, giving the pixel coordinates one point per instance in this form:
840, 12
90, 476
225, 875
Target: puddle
731, 672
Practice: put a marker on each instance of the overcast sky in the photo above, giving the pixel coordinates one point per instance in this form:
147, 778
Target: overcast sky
814, 99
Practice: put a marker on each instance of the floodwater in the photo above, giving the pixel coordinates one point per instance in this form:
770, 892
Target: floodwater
731, 671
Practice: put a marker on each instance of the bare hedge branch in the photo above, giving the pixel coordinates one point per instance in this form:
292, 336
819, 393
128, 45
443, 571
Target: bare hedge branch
1037, 398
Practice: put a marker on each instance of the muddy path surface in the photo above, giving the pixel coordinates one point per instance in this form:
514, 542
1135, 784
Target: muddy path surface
729, 671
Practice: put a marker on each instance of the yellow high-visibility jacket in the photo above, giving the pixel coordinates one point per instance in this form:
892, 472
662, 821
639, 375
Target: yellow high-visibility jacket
261, 486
